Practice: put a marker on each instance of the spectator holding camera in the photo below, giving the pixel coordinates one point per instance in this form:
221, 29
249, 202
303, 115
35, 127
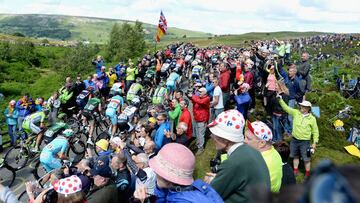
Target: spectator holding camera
244, 168
305, 130
98, 63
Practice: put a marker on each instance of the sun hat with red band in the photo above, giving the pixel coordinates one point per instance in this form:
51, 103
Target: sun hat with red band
67, 186
260, 130
229, 125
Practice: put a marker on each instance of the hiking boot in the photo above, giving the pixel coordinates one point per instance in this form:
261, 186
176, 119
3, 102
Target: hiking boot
199, 151
90, 142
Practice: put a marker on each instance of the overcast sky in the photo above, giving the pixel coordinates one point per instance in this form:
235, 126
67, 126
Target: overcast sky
214, 16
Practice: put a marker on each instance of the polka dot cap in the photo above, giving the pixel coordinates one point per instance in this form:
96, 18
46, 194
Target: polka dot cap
261, 130
69, 185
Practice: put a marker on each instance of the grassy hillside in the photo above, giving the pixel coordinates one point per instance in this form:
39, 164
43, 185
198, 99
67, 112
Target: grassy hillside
239, 40
77, 28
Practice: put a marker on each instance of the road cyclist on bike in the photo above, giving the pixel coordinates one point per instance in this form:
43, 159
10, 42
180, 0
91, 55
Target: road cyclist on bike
91, 109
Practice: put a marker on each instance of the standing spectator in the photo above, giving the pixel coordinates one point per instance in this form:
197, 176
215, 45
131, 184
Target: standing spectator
174, 167
79, 85
244, 168
142, 162
180, 135
11, 115
103, 82
201, 107
90, 84
281, 48
242, 99
39, 104
258, 135
288, 177
98, 63
186, 117
270, 86
131, 71
209, 85
303, 72
120, 70
104, 190
121, 176
174, 114
225, 83
305, 129
277, 113
164, 126
292, 82
217, 105
54, 105
112, 78
249, 79
24, 105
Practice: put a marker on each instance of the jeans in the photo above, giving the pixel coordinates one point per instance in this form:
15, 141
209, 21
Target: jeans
215, 113
11, 131
226, 97
200, 134
276, 128
19, 122
291, 104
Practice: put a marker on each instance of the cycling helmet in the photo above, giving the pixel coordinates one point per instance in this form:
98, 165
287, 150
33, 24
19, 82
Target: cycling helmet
97, 94
138, 79
135, 101
167, 61
68, 133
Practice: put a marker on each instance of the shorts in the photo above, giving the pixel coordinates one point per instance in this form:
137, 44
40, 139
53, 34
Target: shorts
195, 76
111, 113
88, 115
298, 149
49, 162
171, 87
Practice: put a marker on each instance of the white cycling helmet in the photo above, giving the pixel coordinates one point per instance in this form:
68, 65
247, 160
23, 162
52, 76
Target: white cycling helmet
68, 133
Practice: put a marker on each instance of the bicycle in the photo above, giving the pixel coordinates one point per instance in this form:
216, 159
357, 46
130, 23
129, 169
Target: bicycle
18, 156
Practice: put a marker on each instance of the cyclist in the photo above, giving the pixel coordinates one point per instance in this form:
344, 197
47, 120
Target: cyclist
34, 123
114, 109
172, 81
91, 109
196, 70
135, 89
55, 151
159, 94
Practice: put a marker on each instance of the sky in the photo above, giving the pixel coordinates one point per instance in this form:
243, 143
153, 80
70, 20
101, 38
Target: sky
212, 16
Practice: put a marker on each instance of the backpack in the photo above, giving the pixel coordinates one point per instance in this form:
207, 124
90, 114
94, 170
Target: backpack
82, 98
354, 136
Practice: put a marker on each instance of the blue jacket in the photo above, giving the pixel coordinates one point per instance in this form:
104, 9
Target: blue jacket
11, 120
104, 77
199, 191
294, 87
98, 65
160, 136
24, 111
90, 83
242, 102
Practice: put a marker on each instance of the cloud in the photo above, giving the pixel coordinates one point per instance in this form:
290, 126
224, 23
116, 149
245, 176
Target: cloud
218, 17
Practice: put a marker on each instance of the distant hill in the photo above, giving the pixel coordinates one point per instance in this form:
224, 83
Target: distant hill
77, 28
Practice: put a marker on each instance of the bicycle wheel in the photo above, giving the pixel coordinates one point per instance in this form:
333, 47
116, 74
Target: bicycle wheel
39, 171
76, 151
7, 176
23, 197
16, 158
74, 124
100, 128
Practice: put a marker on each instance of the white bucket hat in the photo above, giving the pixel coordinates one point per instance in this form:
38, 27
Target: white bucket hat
229, 125
305, 103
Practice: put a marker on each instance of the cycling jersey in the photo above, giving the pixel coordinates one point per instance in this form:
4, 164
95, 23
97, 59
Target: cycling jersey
115, 103
159, 95
48, 156
197, 70
135, 89
30, 124
171, 81
92, 104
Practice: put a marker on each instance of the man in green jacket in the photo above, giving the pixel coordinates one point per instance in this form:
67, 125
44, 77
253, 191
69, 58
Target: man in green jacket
174, 114
244, 169
305, 130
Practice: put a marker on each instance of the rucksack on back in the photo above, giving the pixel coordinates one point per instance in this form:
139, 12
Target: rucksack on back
82, 98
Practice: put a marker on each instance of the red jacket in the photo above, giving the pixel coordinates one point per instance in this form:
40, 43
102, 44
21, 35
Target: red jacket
201, 107
225, 81
186, 118
249, 79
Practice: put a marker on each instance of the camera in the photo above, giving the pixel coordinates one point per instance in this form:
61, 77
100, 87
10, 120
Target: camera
214, 164
309, 151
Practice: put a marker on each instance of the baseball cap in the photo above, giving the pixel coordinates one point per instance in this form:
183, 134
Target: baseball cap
102, 170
